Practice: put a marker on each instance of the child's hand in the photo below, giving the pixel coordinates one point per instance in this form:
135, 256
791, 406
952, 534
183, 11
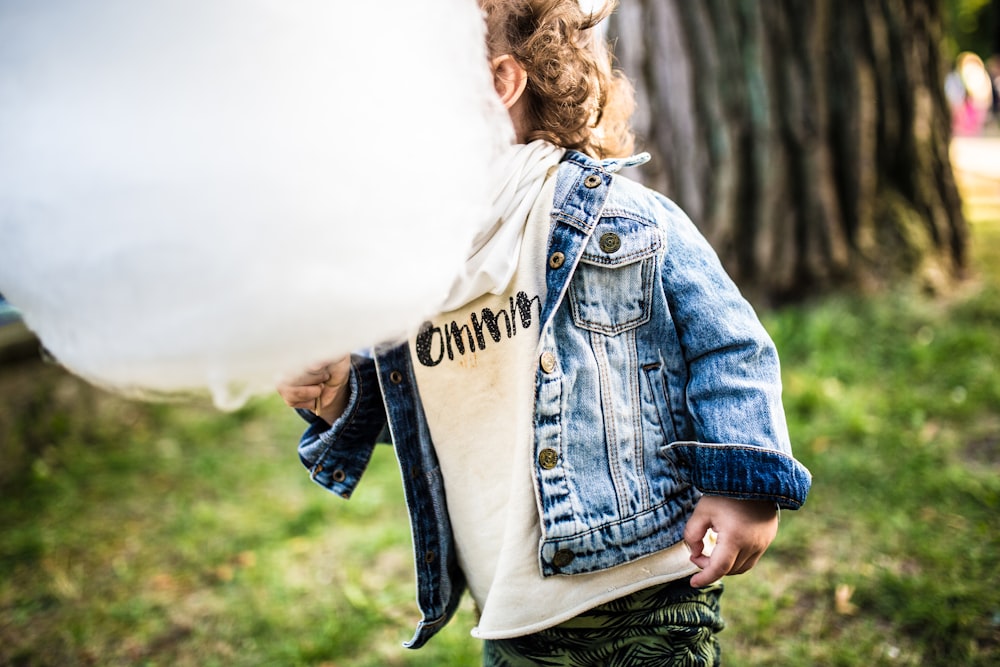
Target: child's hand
323, 388
745, 529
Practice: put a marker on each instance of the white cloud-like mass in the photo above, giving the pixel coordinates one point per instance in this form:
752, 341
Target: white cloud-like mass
208, 195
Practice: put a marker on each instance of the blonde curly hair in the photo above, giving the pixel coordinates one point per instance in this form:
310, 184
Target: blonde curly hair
575, 97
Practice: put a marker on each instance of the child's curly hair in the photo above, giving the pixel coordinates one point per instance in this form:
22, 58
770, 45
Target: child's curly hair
575, 98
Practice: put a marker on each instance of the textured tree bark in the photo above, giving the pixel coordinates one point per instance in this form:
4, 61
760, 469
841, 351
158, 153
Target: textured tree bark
809, 140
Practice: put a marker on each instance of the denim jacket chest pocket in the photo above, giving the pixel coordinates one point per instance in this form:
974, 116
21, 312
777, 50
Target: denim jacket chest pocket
612, 289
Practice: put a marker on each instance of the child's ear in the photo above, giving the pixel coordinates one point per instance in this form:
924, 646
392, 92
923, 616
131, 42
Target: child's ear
509, 78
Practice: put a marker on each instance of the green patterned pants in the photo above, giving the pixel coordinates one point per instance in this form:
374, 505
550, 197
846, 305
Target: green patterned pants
672, 624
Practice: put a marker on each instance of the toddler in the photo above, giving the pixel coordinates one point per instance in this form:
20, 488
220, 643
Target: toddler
594, 405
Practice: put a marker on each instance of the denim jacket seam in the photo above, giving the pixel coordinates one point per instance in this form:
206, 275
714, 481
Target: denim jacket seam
632, 518
750, 495
615, 210
573, 221
622, 260
729, 447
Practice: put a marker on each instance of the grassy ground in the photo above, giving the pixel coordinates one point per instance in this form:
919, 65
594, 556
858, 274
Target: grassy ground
134, 534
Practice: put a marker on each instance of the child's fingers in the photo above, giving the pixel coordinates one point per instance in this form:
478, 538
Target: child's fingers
694, 533
694, 537
301, 396
317, 375
716, 566
338, 371
312, 377
746, 562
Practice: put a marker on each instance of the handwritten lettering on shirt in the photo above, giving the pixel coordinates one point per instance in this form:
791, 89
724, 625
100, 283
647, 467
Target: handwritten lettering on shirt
456, 338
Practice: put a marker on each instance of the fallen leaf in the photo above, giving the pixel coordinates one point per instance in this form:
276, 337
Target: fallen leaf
842, 600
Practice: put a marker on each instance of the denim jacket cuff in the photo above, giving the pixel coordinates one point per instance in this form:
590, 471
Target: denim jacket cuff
745, 472
337, 455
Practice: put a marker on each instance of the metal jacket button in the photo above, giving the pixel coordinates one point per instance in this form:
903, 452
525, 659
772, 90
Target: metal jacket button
548, 459
556, 260
610, 242
548, 362
592, 181
563, 557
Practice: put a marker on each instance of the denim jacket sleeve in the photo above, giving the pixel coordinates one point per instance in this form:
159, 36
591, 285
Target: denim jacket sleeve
739, 445
337, 455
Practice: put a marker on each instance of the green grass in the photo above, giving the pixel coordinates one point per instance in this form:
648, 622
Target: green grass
175, 535
136, 534
894, 404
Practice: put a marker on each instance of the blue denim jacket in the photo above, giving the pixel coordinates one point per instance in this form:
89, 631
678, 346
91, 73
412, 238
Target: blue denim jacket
656, 384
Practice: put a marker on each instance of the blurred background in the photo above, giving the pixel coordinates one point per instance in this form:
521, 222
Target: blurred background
844, 160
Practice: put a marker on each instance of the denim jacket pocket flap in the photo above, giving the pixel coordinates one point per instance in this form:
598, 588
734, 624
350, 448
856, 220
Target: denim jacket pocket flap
619, 241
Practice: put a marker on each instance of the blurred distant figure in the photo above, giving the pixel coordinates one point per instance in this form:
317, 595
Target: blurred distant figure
970, 91
993, 69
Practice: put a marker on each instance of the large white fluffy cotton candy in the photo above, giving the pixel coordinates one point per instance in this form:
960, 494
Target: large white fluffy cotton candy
210, 194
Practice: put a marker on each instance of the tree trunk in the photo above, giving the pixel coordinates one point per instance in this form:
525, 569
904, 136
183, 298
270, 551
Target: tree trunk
995, 15
809, 140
